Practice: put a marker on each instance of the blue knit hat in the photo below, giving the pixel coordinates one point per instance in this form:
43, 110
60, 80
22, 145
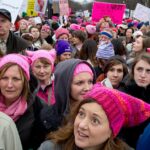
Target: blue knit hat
106, 33
62, 46
105, 51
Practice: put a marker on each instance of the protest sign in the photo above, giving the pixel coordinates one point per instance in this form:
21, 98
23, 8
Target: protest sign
37, 20
13, 6
142, 13
40, 6
23, 7
113, 10
64, 7
86, 14
30, 8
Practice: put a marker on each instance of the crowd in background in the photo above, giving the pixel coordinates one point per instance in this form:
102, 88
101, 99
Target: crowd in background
74, 86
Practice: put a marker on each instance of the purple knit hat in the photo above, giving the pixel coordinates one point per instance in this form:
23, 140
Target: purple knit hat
49, 55
63, 46
18, 59
121, 109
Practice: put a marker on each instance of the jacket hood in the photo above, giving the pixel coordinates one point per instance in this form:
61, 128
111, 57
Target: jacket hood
63, 77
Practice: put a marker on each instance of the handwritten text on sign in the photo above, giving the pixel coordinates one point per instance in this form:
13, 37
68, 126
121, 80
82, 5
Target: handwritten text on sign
113, 10
143, 14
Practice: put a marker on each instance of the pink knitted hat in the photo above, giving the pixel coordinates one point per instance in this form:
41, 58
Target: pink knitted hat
61, 31
82, 67
90, 29
18, 59
50, 55
75, 27
45, 28
120, 108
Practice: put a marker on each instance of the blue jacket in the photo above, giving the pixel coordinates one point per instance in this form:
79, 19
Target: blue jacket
144, 140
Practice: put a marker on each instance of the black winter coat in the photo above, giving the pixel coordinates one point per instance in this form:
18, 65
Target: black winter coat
131, 135
29, 125
131, 88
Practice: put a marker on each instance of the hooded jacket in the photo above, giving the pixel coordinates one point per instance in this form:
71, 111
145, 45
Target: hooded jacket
63, 75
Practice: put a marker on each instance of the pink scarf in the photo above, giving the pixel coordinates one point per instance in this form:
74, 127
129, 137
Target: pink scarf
15, 110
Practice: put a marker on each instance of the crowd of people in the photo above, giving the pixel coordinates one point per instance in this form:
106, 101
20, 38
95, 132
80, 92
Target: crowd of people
80, 85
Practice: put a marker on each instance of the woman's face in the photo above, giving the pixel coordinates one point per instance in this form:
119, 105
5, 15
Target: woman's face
23, 25
103, 39
35, 32
42, 71
81, 84
91, 127
65, 56
142, 73
76, 40
115, 75
11, 84
64, 37
138, 44
129, 33
44, 34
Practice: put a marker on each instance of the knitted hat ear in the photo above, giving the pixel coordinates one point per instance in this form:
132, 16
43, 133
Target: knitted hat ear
136, 110
52, 52
29, 60
29, 53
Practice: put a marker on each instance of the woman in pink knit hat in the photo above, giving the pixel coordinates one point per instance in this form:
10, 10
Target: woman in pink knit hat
23, 27
17, 101
62, 34
97, 120
42, 67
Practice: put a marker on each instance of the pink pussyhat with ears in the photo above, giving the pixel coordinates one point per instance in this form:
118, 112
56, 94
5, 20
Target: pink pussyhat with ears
49, 55
20, 60
122, 110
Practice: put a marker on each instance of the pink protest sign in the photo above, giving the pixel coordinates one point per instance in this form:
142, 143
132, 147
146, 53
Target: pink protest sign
113, 10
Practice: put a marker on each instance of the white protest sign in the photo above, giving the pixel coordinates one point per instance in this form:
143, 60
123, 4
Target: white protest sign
142, 13
37, 20
13, 6
23, 7
86, 13
40, 6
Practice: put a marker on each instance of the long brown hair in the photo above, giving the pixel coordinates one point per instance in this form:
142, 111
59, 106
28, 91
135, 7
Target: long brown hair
88, 51
25, 90
64, 136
